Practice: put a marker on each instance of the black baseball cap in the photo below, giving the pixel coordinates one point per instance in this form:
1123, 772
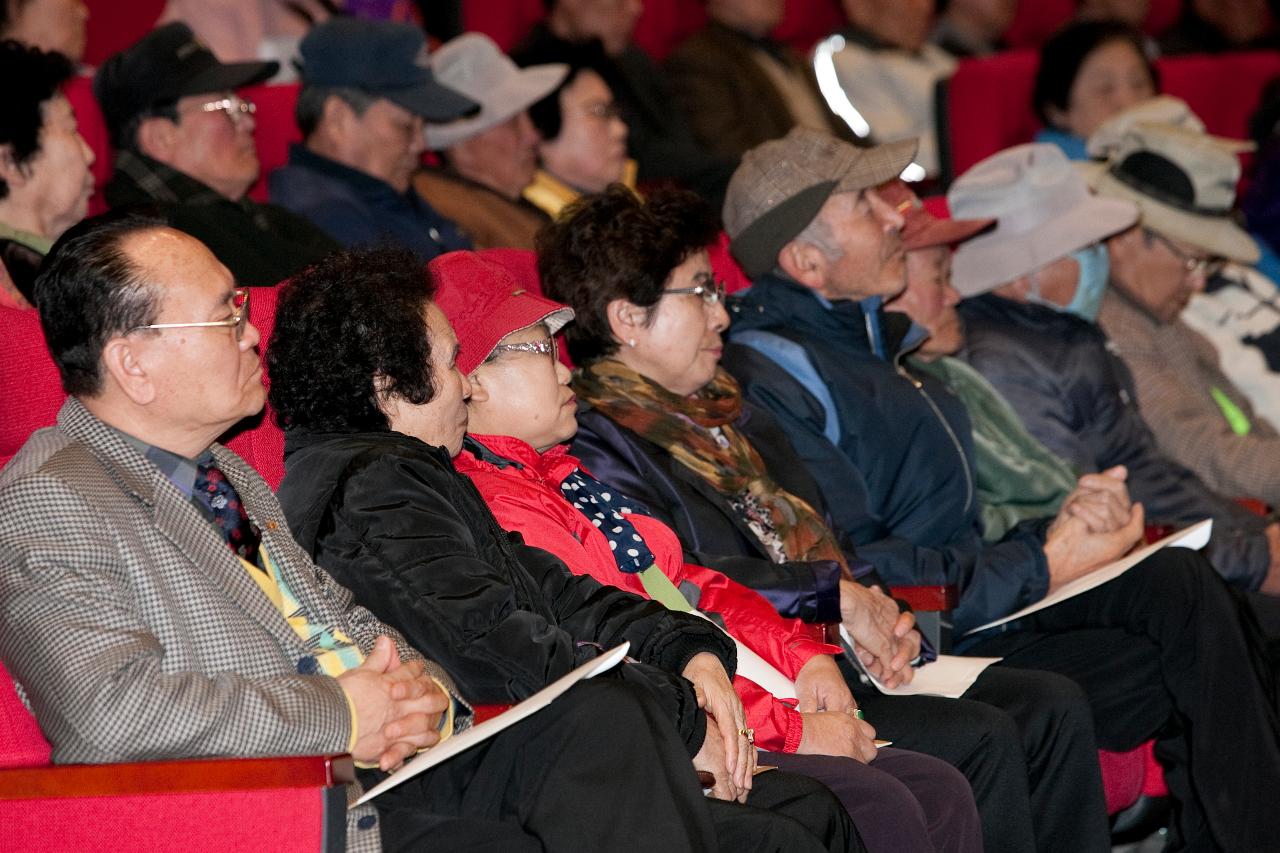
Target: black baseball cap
166, 64
383, 58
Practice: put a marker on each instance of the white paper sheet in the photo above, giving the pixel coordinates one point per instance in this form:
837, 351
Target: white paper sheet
1195, 537
949, 676
483, 731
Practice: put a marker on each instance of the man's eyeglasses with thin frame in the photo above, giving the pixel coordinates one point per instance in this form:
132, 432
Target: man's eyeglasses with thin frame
235, 107
238, 320
544, 346
712, 294
1208, 267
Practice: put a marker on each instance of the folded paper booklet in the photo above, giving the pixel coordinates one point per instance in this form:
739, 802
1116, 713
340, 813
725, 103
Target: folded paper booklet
1195, 537
483, 731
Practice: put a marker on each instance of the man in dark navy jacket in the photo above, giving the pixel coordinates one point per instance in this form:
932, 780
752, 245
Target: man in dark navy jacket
1156, 650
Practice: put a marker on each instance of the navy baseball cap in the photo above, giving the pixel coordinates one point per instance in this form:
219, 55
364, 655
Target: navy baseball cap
166, 64
383, 58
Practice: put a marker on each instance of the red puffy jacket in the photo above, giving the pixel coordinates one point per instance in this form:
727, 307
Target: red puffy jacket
525, 497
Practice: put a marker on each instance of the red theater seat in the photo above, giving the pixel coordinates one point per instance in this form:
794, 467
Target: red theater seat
274, 129
114, 26
79, 91
986, 105
285, 804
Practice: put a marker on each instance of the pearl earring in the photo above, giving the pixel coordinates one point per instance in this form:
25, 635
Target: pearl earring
631, 342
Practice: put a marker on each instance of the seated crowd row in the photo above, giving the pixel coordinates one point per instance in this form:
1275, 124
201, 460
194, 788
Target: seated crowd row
833, 445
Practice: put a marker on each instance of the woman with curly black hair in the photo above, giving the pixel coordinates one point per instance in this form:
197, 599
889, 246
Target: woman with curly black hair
364, 382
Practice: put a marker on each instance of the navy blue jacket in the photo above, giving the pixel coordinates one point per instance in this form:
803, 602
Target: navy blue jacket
357, 209
1078, 398
898, 477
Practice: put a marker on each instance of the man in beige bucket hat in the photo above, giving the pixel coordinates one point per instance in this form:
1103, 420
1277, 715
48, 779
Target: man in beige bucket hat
1035, 285
1184, 184
891, 451
490, 157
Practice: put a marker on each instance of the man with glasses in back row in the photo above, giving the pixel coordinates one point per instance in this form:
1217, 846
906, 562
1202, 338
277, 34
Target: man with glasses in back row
185, 147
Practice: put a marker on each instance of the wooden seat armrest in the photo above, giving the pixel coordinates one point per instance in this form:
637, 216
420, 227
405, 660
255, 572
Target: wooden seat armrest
928, 598
157, 777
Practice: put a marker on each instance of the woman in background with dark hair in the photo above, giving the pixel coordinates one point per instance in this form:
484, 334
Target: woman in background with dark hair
1089, 71
584, 138
45, 182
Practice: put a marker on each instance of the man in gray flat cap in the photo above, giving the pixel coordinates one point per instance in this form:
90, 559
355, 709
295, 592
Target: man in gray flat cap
366, 92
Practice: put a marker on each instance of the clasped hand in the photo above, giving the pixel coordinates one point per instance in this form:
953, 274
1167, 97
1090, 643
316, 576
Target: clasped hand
397, 706
885, 639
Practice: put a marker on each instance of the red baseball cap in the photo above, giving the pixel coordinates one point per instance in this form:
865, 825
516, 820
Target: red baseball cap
927, 223
487, 295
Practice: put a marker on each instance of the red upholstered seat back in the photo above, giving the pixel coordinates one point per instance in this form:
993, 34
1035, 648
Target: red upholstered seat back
724, 267
21, 742
79, 91
29, 382
805, 22
989, 106
258, 440
989, 100
275, 129
114, 26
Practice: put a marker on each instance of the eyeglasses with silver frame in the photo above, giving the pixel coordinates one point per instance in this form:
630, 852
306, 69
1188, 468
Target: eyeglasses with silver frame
712, 294
238, 320
545, 346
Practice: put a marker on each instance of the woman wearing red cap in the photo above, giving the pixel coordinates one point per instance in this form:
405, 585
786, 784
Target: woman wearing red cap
520, 411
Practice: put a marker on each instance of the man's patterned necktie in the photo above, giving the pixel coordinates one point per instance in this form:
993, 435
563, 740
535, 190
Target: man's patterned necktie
216, 493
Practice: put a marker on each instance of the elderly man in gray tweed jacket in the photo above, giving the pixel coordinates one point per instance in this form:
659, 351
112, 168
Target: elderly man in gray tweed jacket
153, 603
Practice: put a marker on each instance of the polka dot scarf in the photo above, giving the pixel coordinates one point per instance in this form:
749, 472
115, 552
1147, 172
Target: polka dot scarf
608, 511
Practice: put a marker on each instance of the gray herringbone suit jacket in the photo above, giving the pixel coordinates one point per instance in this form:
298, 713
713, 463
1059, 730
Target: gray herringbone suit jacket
133, 630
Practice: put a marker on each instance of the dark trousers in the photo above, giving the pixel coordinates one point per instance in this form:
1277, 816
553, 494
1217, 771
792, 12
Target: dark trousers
600, 770
1025, 742
1168, 651
902, 802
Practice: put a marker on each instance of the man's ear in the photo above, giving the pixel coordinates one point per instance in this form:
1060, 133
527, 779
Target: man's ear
157, 138
804, 263
122, 363
626, 319
337, 119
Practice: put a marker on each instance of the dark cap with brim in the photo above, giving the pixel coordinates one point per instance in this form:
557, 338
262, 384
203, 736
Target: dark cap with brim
167, 64
386, 59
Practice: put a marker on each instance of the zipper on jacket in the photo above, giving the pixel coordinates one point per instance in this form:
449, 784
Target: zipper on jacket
955, 441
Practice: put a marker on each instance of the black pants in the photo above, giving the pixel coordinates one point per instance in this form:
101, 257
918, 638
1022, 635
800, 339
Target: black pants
600, 770
1025, 742
1168, 651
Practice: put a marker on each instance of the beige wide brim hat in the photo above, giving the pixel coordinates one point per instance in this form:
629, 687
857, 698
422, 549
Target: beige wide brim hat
474, 65
1044, 212
1183, 182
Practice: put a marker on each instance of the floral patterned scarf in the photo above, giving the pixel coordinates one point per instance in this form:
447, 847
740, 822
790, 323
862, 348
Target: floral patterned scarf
698, 431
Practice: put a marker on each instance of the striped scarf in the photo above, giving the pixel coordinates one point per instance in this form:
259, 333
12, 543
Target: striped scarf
687, 427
